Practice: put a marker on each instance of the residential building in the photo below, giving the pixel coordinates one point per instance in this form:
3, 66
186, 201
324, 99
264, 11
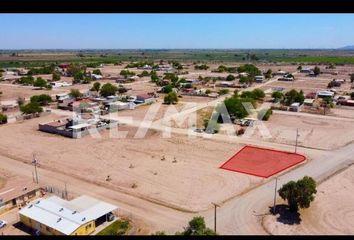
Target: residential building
56, 216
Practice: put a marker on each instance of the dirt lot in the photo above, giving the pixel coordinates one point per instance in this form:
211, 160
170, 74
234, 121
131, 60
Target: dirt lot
314, 133
332, 212
192, 182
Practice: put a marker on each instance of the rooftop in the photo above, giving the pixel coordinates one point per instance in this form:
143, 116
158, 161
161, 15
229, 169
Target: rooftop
66, 216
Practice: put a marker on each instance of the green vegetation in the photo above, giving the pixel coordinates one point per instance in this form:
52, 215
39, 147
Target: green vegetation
223, 68
75, 93
108, 90
278, 96
230, 77
201, 67
126, 73
171, 98
31, 108
3, 118
223, 91
299, 194
316, 70
26, 80
293, 96
42, 70
256, 94
234, 106
196, 227
144, 74
56, 76
96, 87
268, 74
251, 69
264, 114
119, 227
140, 64
41, 83
42, 99
97, 72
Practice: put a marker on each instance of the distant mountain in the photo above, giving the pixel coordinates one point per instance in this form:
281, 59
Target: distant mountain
350, 47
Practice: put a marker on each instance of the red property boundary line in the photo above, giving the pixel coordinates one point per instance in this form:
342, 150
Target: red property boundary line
258, 175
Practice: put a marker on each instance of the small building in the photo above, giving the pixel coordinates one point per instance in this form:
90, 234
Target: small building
243, 74
309, 102
119, 106
96, 77
145, 98
60, 84
307, 70
295, 107
17, 192
325, 94
226, 84
56, 216
259, 79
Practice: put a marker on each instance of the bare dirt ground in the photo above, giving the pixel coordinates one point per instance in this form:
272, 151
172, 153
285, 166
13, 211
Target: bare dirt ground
188, 178
332, 212
314, 133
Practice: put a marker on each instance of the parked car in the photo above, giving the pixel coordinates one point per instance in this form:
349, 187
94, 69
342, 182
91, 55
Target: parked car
2, 223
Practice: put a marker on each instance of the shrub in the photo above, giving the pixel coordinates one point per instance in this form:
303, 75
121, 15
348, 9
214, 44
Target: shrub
3, 118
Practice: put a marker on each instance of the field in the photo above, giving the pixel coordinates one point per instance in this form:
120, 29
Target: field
330, 213
189, 178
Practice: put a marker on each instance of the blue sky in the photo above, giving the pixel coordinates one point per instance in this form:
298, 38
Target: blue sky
42, 31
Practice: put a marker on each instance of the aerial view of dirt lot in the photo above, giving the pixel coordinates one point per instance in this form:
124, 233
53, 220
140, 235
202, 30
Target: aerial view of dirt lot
330, 213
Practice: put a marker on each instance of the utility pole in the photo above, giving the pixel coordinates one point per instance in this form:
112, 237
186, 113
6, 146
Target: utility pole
275, 194
35, 162
215, 206
297, 135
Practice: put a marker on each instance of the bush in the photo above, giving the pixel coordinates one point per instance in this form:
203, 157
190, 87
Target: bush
56, 76
294, 96
201, 67
40, 82
97, 72
264, 114
196, 227
3, 118
223, 91
108, 90
171, 98
230, 77
75, 93
31, 108
26, 80
42, 99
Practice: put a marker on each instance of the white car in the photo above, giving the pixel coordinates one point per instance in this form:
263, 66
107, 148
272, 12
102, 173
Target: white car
2, 223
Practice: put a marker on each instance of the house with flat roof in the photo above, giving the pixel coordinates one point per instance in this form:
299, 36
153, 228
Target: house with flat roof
56, 216
17, 192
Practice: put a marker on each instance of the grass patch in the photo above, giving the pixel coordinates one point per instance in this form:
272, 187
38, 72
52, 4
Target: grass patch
119, 227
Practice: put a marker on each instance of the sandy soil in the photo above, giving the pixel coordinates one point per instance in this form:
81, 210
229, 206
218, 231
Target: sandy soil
314, 133
332, 212
192, 182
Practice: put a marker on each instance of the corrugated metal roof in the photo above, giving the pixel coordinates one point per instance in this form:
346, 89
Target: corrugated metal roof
66, 216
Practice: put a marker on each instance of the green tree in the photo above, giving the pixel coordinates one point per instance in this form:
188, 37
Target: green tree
316, 70
167, 89
40, 82
108, 90
75, 93
3, 118
78, 76
26, 80
268, 74
223, 91
31, 108
251, 69
299, 194
299, 68
42, 99
196, 227
230, 77
277, 96
201, 67
258, 94
56, 76
97, 72
294, 96
171, 98
96, 87
234, 106
264, 114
